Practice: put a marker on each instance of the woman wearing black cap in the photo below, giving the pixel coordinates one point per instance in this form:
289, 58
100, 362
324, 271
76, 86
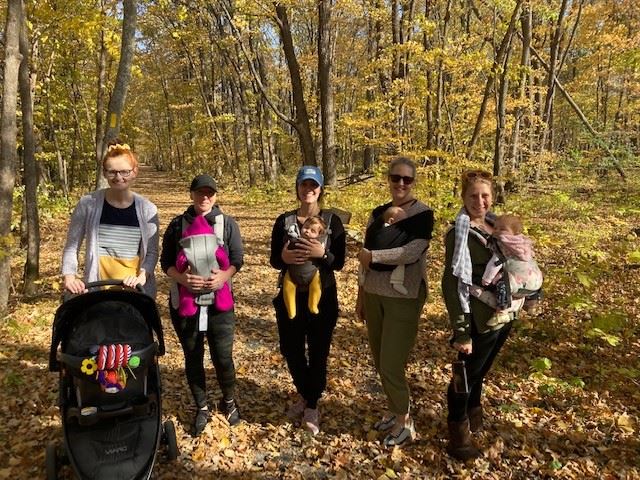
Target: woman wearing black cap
208, 320
305, 340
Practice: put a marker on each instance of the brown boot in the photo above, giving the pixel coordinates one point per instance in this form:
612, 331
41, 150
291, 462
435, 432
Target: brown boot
475, 418
460, 445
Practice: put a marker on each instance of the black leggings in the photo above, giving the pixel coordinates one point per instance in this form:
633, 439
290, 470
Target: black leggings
485, 348
305, 341
220, 334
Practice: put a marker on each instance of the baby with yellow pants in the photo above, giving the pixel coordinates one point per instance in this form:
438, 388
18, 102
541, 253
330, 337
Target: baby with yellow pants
306, 274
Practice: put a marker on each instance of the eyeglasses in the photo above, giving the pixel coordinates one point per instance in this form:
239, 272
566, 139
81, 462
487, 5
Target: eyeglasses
477, 173
115, 173
405, 179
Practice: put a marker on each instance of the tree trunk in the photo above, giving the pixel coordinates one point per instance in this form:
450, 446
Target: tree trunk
498, 60
32, 264
426, 43
102, 79
123, 77
8, 132
551, 84
525, 62
302, 123
501, 114
325, 85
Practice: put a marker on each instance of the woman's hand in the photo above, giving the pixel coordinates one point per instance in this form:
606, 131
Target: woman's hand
314, 248
133, 280
294, 256
217, 279
365, 256
466, 348
73, 284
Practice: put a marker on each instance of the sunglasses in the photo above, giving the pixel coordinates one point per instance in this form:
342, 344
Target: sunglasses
478, 173
396, 179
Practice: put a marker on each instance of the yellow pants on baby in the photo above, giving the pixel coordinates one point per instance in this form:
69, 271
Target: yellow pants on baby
289, 294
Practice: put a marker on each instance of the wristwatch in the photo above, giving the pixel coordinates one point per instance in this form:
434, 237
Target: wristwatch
325, 256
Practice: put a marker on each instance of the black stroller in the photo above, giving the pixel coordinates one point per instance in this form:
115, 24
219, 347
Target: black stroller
110, 389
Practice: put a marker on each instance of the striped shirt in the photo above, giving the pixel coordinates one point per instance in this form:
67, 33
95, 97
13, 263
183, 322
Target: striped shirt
119, 241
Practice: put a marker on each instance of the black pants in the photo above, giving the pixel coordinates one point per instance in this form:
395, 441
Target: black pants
485, 349
305, 341
220, 333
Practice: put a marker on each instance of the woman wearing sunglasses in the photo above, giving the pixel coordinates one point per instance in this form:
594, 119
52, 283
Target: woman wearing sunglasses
120, 228
478, 334
392, 314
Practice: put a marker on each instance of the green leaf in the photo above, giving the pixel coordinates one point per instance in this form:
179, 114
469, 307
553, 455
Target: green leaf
612, 340
541, 364
577, 382
555, 464
584, 279
634, 257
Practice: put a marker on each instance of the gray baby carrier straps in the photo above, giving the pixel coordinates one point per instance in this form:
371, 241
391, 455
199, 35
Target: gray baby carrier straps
200, 252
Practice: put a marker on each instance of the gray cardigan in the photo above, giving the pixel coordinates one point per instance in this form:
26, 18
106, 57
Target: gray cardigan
85, 221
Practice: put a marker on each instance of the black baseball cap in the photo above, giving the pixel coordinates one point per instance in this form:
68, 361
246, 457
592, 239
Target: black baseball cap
202, 181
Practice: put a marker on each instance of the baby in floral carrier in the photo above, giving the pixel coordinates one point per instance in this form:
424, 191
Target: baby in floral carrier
512, 270
201, 250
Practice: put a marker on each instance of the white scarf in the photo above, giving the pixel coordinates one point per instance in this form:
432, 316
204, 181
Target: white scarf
461, 262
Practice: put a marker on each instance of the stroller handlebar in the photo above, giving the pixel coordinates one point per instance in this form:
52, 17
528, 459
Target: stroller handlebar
103, 283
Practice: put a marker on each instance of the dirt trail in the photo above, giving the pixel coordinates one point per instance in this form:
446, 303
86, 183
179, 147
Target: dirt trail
529, 433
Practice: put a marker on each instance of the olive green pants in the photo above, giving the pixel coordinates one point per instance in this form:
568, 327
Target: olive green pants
392, 326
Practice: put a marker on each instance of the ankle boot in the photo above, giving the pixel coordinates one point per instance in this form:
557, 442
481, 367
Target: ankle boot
460, 445
476, 418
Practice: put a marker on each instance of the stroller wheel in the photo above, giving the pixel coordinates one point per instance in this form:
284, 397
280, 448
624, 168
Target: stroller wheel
171, 440
51, 460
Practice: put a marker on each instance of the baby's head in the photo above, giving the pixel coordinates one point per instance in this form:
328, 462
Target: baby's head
507, 225
313, 227
394, 214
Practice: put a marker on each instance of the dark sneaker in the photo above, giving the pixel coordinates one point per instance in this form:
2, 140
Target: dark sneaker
201, 420
385, 423
406, 435
229, 409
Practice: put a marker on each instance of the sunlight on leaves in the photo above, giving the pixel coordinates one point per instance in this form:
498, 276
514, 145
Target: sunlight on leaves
597, 333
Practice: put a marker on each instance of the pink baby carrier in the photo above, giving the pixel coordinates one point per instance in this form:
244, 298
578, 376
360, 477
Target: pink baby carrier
202, 250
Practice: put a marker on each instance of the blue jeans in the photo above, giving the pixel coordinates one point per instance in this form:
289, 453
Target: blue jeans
220, 333
485, 349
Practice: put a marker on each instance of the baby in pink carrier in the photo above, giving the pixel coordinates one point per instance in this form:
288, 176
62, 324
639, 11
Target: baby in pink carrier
202, 252
512, 271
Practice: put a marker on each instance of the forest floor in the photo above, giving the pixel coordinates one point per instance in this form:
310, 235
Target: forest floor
563, 400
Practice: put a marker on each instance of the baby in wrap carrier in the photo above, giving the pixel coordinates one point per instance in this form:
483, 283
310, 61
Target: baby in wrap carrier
391, 228
202, 251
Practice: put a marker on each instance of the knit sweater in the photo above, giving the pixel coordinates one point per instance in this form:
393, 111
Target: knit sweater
413, 255
84, 225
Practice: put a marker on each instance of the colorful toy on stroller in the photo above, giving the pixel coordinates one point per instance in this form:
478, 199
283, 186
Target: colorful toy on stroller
110, 389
